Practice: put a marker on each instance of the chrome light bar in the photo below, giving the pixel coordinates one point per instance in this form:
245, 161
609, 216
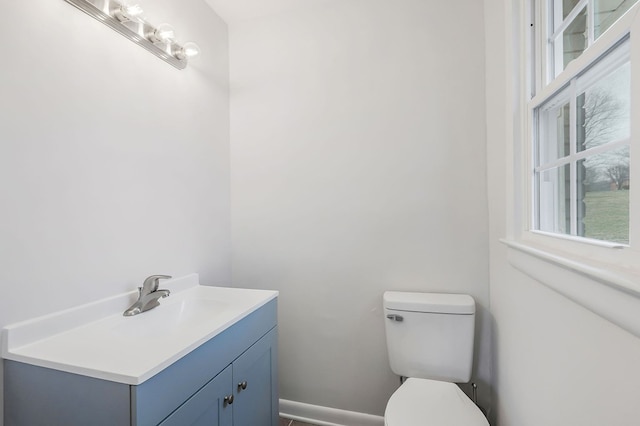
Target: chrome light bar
126, 20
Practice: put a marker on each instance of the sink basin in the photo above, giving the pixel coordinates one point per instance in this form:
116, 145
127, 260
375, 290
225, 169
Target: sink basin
96, 340
171, 316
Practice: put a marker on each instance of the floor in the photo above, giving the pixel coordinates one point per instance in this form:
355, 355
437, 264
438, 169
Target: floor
287, 422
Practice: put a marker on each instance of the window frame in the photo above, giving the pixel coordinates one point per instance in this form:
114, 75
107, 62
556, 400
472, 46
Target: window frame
535, 91
602, 277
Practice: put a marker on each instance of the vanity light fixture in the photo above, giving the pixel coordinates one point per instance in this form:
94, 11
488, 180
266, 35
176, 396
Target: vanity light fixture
127, 20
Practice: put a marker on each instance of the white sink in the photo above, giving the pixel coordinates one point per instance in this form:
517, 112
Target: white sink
173, 315
96, 340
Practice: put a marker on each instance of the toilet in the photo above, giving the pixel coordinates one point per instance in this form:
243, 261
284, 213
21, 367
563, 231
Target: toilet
430, 342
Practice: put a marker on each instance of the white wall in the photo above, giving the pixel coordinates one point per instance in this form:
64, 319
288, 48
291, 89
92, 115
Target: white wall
114, 165
358, 165
555, 363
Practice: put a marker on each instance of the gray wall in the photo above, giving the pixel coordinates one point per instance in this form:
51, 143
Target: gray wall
358, 166
114, 165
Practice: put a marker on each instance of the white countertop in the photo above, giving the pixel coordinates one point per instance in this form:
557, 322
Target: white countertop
96, 340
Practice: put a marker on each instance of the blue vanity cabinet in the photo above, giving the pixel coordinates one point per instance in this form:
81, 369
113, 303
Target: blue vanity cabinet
239, 363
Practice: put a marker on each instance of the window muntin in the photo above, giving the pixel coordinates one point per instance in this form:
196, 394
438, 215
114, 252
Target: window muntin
582, 149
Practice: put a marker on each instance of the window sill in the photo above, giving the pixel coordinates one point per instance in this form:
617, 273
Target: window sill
610, 292
581, 240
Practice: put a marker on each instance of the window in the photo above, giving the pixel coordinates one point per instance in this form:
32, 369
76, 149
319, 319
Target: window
580, 121
576, 226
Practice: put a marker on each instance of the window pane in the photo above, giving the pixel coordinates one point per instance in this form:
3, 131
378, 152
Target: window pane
554, 206
603, 196
554, 131
574, 38
606, 12
604, 110
567, 7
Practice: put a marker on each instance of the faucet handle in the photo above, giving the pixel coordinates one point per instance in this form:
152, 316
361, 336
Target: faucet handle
151, 283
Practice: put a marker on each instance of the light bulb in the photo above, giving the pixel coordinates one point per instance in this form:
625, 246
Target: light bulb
163, 33
189, 50
128, 12
133, 10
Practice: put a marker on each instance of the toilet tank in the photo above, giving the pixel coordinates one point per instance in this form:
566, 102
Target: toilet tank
430, 335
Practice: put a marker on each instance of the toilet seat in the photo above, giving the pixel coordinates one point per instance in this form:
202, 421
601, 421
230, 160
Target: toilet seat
423, 402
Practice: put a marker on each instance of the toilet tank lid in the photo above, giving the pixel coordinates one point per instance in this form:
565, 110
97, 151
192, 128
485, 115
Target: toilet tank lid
441, 303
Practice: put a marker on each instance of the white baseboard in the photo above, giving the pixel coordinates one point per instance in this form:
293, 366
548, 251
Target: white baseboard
325, 416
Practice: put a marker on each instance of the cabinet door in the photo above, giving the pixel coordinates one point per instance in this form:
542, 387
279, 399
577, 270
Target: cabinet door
255, 383
208, 406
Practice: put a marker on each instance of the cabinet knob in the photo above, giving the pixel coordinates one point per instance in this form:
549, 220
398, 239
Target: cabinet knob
242, 385
228, 400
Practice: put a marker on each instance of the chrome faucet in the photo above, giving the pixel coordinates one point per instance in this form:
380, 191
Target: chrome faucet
148, 296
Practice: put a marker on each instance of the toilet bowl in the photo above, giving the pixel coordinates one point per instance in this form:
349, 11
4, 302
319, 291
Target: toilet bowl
424, 402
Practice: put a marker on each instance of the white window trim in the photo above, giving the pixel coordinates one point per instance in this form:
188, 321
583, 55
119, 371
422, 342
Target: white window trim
601, 276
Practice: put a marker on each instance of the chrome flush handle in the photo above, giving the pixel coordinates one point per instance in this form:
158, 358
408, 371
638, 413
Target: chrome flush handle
395, 317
